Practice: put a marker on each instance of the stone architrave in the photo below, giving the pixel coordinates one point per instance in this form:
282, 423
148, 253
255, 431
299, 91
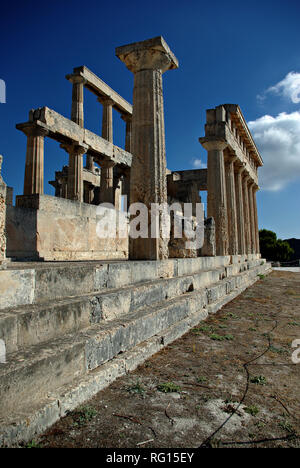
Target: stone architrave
216, 192
231, 206
240, 208
148, 60
34, 166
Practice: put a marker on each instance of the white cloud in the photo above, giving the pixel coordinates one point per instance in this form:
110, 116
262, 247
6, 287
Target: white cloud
278, 140
289, 87
197, 164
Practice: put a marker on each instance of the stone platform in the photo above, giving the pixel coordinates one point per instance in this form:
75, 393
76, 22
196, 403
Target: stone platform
70, 329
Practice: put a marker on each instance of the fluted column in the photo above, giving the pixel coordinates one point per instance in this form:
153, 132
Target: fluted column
128, 120
254, 190
107, 119
216, 192
240, 209
77, 114
34, 166
148, 60
252, 218
107, 182
246, 213
231, 206
75, 169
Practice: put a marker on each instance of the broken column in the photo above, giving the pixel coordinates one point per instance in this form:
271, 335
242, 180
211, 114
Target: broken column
2, 216
34, 166
216, 191
148, 60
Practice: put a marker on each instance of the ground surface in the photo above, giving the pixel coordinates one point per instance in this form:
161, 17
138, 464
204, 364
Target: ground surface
207, 368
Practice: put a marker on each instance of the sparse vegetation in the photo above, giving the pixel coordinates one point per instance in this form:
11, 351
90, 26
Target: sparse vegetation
168, 387
253, 410
259, 380
83, 415
136, 388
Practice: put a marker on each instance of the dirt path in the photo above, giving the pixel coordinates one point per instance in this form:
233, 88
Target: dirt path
184, 394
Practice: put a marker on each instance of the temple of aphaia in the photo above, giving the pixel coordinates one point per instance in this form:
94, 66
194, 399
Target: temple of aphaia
78, 309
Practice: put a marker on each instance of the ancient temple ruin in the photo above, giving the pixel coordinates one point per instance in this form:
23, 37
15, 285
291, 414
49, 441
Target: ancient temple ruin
79, 309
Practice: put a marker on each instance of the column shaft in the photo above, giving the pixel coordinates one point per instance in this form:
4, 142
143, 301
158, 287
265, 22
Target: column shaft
216, 193
75, 178
240, 212
107, 182
246, 215
231, 208
252, 218
34, 167
107, 119
257, 246
77, 114
148, 172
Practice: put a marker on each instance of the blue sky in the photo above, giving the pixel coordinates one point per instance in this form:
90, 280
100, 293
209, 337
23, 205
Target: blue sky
233, 51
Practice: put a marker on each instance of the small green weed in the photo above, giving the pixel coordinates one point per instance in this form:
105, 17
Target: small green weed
168, 387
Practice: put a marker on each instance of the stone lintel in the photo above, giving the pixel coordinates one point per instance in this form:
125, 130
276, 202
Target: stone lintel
98, 87
65, 131
149, 54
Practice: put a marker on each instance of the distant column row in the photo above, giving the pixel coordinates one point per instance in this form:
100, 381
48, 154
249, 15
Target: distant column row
231, 201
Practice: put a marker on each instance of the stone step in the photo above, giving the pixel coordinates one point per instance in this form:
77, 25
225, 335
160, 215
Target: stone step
28, 325
40, 386
42, 368
37, 283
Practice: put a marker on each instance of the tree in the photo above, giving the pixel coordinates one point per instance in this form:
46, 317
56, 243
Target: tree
272, 248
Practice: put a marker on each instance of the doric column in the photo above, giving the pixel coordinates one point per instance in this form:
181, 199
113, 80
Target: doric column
77, 114
246, 213
257, 246
128, 120
252, 217
216, 192
240, 209
89, 163
75, 169
107, 119
148, 60
107, 182
34, 166
231, 206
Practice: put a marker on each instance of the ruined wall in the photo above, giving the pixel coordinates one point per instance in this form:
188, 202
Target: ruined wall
50, 228
2, 215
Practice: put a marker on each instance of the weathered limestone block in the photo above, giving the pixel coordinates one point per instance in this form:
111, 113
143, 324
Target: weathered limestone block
2, 216
148, 60
209, 246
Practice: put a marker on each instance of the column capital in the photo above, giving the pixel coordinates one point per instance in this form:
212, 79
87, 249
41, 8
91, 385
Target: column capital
127, 118
105, 101
107, 163
33, 130
152, 54
239, 167
76, 79
75, 148
212, 145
